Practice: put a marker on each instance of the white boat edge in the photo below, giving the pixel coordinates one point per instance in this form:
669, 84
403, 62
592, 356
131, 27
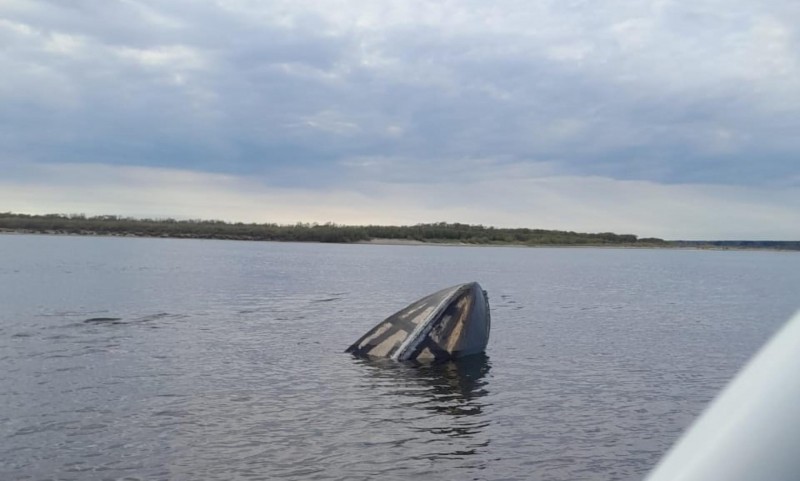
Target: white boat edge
751, 430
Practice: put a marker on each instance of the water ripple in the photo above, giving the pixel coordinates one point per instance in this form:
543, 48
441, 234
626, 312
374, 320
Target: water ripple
222, 360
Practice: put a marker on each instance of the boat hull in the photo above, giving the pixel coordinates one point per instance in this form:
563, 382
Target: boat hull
448, 324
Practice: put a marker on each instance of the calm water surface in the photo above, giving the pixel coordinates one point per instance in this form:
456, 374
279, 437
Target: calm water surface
188, 359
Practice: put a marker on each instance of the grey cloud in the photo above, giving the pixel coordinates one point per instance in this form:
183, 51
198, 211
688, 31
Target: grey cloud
294, 91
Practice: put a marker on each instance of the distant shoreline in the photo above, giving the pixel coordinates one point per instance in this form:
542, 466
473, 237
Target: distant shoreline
435, 234
409, 242
400, 242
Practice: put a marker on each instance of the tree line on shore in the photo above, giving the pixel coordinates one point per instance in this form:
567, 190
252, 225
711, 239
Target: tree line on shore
308, 232
440, 232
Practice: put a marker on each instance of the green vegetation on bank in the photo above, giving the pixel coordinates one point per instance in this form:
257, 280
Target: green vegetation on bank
435, 233
215, 229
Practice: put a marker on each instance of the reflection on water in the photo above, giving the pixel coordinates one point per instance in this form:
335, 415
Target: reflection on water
451, 397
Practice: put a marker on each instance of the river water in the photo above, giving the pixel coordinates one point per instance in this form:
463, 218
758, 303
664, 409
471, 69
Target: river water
128, 358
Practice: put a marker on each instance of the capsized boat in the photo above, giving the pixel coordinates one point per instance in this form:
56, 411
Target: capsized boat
447, 324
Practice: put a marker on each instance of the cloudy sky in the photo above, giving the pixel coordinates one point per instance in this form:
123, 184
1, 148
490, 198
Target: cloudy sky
653, 117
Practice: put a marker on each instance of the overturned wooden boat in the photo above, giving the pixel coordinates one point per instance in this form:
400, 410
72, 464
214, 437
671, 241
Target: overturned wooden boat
447, 324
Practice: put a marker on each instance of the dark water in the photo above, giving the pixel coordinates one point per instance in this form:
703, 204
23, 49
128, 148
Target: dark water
185, 359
